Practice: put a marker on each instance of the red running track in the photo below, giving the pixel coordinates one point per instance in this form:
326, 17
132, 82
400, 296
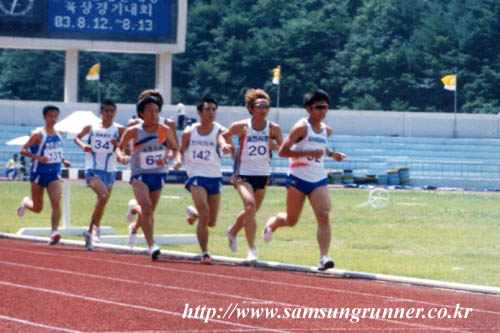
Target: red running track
69, 289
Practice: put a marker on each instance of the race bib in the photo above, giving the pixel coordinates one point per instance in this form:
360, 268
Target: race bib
54, 155
257, 152
148, 159
101, 145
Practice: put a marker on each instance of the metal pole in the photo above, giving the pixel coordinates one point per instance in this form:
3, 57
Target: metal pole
164, 72
66, 205
71, 76
278, 104
99, 90
455, 109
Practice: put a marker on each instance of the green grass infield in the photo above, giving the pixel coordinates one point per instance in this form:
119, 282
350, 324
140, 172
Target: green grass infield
447, 236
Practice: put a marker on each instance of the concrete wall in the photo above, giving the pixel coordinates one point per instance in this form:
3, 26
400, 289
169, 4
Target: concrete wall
362, 123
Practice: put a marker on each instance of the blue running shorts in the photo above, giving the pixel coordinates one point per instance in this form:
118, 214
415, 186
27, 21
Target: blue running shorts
304, 186
108, 178
212, 185
154, 181
43, 179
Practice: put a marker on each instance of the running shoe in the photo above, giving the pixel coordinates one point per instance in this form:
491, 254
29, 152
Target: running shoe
54, 239
206, 258
192, 214
88, 241
21, 209
130, 217
96, 234
154, 252
233, 241
325, 263
132, 235
267, 233
252, 255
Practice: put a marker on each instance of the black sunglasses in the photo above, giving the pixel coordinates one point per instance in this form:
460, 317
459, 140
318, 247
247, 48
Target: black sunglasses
261, 106
320, 106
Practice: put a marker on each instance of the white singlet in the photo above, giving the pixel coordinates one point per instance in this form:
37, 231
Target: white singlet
254, 155
202, 156
308, 168
102, 157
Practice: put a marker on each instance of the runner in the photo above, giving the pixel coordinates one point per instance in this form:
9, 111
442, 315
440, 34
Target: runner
133, 207
44, 147
200, 149
258, 137
306, 145
149, 164
100, 168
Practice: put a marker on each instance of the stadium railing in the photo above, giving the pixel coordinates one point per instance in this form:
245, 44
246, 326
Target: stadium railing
425, 157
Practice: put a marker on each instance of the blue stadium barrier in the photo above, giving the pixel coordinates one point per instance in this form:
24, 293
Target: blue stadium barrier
366, 155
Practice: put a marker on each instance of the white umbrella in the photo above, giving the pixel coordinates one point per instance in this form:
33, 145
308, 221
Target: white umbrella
19, 141
74, 123
69, 126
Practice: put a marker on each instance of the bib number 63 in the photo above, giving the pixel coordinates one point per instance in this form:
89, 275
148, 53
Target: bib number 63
148, 160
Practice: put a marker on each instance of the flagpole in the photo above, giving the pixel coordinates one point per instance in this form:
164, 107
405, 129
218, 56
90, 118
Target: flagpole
99, 85
276, 80
278, 104
99, 90
455, 108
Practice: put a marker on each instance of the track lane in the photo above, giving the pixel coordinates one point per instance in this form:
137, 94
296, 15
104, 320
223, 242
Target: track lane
276, 287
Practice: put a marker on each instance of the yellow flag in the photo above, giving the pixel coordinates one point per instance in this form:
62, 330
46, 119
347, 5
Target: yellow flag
93, 73
450, 82
276, 75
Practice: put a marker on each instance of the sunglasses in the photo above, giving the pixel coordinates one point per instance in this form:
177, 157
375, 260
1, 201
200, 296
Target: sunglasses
320, 106
261, 106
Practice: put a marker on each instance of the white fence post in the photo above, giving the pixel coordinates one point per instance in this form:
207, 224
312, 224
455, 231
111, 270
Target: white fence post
66, 207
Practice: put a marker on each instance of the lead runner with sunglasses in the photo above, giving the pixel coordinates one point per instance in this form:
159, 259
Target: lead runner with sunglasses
252, 166
306, 146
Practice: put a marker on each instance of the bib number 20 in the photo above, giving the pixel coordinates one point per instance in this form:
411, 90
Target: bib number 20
257, 150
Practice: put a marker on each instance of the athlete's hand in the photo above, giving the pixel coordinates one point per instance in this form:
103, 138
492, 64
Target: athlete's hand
274, 146
123, 160
177, 165
227, 148
43, 159
161, 162
87, 148
170, 155
67, 163
316, 153
338, 156
114, 142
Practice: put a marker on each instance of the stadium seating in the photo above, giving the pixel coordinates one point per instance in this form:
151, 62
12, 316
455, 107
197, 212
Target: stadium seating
435, 159
426, 158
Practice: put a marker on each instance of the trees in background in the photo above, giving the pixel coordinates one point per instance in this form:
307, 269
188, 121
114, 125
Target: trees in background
369, 54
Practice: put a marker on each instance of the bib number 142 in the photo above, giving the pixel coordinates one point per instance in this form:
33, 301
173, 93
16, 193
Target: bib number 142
201, 155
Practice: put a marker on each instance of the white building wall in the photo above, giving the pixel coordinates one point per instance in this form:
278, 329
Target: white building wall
362, 123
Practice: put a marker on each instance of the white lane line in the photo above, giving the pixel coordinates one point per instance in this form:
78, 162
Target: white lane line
133, 306
329, 329
253, 280
283, 267
30, 323
148, 284
256, 300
